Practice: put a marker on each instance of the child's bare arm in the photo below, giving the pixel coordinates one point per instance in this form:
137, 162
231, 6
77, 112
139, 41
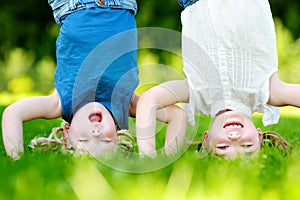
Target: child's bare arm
283, 94
47, 107
157, 103
176, 118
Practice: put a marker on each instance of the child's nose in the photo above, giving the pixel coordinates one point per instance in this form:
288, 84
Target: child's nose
234, 135
96, 131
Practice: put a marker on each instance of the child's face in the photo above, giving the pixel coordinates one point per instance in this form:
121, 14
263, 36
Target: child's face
231, 134
92, 130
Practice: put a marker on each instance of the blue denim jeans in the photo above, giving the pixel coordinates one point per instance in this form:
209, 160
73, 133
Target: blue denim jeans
61, 8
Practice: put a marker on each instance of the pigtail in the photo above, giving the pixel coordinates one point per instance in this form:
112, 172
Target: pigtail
273, 139
125, 141
54, 141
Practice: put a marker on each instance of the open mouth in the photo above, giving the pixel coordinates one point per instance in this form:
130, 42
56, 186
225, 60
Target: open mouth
95, 117
233, 125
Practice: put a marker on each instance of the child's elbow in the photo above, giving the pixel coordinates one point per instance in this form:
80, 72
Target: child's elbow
147, 99
8, 112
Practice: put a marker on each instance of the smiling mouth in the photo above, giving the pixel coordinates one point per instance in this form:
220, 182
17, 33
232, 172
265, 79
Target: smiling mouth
233, 125
95, 117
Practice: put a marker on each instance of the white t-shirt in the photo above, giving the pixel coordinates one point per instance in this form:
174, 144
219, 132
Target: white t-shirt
229, 54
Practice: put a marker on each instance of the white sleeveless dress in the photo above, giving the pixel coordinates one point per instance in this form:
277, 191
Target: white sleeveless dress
229, 54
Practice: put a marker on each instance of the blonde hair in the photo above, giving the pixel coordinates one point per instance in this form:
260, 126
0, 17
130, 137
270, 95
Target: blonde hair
51, 142
273, 139
56, 140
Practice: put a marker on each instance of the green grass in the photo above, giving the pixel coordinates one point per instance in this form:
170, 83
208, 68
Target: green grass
55, 176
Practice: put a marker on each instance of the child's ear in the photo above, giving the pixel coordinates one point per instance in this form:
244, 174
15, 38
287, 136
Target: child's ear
204, 138
65, 133
66, 128
260, 135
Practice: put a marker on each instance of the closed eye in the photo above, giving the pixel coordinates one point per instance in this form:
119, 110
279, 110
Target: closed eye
222, 147
106, 140
83, 140
247, 145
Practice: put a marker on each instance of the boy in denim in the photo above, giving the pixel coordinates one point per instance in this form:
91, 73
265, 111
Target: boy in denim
95, 78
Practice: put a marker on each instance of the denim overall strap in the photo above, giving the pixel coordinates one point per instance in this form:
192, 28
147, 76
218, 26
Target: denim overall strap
186, 3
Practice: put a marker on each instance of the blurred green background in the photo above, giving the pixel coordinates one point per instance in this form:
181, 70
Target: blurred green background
28, 34
27, 63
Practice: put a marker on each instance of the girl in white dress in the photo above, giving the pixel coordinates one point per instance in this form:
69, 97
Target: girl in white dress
230, 60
